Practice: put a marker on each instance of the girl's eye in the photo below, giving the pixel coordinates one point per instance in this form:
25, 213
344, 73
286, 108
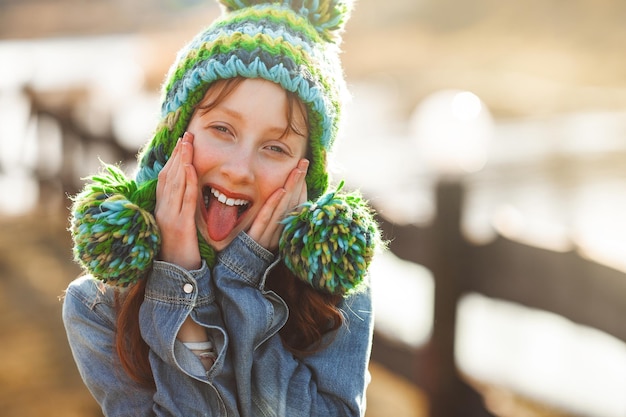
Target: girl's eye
276, 148
221, 129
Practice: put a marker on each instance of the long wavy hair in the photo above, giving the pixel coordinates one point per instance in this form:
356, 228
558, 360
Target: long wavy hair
312, 314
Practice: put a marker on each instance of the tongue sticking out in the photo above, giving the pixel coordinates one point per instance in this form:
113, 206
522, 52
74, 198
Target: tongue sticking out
221, 220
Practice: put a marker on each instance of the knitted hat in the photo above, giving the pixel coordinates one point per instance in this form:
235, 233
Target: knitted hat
295, 43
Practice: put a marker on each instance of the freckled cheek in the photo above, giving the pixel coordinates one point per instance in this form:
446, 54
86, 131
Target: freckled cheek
274, 179
204, 159
197, 159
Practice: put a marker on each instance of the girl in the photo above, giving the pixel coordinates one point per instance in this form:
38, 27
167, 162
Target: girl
225, 279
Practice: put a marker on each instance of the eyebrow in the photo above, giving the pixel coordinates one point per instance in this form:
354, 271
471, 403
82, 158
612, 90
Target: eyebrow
231, 112
240, 116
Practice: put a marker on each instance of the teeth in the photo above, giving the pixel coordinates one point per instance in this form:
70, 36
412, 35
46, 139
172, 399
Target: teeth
225, 200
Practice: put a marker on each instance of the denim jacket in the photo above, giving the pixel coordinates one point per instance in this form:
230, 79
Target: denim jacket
253, 375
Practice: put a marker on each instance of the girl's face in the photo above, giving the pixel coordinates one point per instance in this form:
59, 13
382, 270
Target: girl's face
243, 150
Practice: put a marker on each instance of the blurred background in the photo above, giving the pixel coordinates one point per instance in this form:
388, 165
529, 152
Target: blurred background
489, 135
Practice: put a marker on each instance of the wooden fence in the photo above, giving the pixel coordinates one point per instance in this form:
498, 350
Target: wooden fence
80, 144
563, 283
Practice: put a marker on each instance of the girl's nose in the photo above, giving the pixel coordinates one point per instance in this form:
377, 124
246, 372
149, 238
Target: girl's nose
238, 166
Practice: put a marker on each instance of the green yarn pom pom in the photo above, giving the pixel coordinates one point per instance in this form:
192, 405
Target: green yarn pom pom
328, 17
330, 243
114, 238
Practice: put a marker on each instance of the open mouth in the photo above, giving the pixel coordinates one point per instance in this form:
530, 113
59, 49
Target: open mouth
223, 213
209, 192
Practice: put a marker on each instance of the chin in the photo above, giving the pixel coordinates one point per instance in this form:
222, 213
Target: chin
217, 245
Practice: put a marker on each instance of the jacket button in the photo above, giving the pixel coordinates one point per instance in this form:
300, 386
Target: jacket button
188, 288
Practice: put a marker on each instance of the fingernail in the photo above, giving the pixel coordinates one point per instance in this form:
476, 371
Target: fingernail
304, 164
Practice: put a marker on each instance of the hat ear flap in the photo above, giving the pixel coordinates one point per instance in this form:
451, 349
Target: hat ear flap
115, 235
330, 243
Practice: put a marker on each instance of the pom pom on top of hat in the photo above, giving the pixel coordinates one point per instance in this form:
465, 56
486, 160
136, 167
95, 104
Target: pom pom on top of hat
328, 17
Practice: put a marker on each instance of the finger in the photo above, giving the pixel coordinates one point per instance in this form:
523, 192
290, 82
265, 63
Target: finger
266, 213
169, 163
262, 228
166, 169
303, 198
191, 179
299, 185
298, 196
190, 195
175, 179
188, 137
274, 227
293, 187
187, 148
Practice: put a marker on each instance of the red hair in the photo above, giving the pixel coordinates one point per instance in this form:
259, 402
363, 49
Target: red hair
129, 345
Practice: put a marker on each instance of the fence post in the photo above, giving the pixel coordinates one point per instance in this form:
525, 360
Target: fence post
449, 395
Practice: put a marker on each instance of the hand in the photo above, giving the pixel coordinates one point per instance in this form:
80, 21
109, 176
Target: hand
176, 200
266, 228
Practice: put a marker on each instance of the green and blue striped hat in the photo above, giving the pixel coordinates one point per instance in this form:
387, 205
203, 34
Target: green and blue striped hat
292, 43
328, 242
